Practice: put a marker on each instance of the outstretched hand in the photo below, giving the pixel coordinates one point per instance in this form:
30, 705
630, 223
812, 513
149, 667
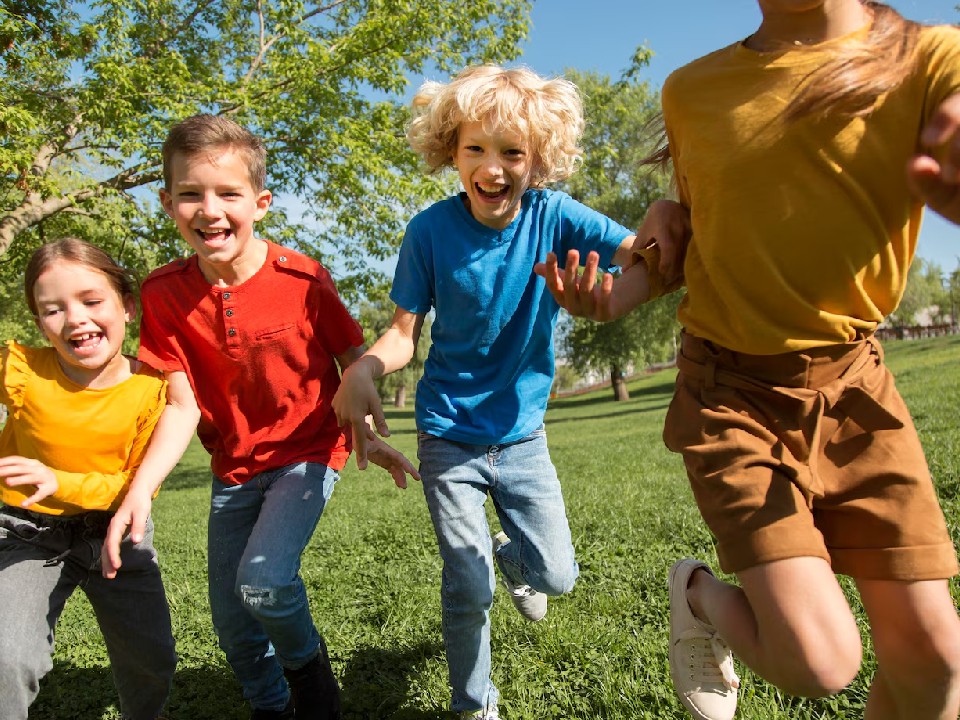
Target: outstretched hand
355, 400
17, 472
936, 180
390, 459
579, 295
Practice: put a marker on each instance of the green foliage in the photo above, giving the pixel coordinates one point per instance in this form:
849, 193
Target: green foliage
614, 181
88, 91
925, 290
375, 317
372, 574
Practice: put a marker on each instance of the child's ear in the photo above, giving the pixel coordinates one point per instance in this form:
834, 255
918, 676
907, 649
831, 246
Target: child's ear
166, 200
264, 197
129, 308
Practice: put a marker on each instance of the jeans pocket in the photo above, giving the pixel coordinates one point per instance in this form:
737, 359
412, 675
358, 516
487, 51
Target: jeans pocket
15, 530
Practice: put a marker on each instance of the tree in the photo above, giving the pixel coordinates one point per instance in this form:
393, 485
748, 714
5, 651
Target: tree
613, 181
924, 292
375, 318
88, 91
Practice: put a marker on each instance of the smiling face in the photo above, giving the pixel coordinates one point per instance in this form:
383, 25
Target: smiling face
212, 200
495, 167
83, 316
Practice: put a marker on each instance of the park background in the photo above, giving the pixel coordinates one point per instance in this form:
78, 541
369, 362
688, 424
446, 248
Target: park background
86, 94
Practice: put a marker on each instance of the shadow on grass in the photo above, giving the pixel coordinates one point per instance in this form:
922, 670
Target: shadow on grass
376, 683
68, 691
88, 693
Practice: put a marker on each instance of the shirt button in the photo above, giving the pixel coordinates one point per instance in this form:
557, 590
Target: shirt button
229, 312
226, 296
283, 258
231, 332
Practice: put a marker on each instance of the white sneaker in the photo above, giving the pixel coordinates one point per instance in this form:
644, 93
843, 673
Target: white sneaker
701, 664
479, 715
530, 603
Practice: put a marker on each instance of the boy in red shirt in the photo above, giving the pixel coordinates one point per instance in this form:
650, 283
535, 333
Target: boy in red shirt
250, 336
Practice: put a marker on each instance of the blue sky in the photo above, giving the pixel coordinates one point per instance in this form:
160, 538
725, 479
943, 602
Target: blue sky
602, 35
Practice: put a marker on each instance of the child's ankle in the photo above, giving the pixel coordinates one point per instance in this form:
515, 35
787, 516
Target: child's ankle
699, 579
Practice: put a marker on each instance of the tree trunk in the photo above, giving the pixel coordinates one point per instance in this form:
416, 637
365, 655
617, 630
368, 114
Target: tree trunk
400, 397
619, 384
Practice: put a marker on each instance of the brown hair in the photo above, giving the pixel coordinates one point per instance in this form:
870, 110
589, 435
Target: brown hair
71, 249
202, 133
848, 85
851, 83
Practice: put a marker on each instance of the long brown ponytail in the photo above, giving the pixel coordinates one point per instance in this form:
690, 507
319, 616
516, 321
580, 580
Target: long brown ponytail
850, 84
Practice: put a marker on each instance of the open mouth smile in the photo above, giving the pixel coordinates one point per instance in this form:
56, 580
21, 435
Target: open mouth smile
492, 192
86, 340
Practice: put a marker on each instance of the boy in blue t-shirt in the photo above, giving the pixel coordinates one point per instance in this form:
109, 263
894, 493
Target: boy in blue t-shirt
481, 402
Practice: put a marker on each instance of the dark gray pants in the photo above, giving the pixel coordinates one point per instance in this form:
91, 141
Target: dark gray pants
43, 559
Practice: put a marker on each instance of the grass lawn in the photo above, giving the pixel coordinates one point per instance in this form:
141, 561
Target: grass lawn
372, 573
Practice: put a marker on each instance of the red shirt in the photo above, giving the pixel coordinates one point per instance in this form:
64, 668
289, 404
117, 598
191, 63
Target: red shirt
260, 358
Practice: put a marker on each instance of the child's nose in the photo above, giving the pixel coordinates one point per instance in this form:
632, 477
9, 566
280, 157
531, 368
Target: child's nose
210, 207
75, 314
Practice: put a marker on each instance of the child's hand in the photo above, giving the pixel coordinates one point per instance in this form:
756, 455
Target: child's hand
580, 296
17, 471
667, 223
132, 513
355, 399
390, 459
936, 181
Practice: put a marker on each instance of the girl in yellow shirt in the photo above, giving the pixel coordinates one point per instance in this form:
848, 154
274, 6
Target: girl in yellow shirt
80, 416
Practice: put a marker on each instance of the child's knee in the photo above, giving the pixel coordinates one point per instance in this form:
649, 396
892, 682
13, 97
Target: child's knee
555, 580
921, 661
266, 600
819, 666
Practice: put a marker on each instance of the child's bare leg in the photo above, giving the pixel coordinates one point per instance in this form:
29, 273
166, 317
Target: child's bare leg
916, 636
790, 623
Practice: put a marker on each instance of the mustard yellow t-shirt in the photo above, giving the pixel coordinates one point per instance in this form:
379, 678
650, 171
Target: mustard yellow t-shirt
802, 232
93, 440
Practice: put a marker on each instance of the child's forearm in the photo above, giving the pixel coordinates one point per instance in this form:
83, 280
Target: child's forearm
171, 436
629, 290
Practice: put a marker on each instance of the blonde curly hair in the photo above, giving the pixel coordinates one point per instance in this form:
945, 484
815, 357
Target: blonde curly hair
548, 113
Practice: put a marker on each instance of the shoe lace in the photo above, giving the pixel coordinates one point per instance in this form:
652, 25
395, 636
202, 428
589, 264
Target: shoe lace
711, 656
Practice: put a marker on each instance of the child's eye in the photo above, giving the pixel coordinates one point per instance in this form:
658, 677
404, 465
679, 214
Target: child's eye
188, 194
49, 312
92, 303
474, 148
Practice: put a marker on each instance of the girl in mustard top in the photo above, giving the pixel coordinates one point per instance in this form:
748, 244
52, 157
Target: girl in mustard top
805, 154
80, 416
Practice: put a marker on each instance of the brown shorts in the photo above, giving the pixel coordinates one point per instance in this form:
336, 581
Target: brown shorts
807, 453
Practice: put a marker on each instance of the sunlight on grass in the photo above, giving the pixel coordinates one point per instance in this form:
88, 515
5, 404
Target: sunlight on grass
372, 572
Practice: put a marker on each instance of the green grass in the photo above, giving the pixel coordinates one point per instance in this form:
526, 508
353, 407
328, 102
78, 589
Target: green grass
372, 572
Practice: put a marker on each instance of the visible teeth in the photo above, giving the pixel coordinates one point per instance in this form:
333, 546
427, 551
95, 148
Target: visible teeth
492, 190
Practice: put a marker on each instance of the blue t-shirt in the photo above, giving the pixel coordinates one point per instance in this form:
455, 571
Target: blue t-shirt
487, 377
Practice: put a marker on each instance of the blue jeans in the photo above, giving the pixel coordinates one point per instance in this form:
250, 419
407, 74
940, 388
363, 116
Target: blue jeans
256, 534
521, 480
43, 559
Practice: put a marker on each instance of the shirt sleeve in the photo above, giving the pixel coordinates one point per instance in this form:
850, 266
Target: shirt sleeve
413, 278
105, 491
13, 378
156, 347
586, 230
336, 325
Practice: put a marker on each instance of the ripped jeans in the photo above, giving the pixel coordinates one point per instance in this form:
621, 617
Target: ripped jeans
256, 534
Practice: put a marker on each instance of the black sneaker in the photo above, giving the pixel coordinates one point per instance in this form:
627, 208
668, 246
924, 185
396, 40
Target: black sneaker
316, 694
285, 714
